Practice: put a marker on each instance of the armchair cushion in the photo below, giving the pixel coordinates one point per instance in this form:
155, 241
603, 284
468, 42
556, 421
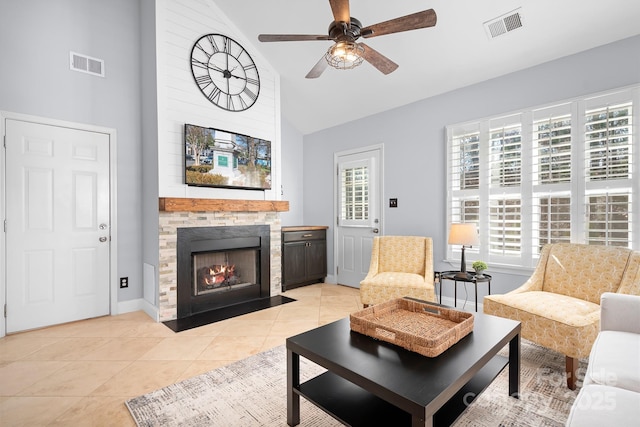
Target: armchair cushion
556, 321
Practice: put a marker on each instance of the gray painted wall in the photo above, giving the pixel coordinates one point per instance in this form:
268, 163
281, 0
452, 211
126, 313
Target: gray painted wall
35, 39
414, 140
149, 85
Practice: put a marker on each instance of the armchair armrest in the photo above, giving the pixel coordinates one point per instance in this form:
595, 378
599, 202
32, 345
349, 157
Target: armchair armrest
536, 280
620, 312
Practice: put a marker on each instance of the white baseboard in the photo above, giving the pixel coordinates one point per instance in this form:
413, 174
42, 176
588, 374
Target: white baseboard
137, 305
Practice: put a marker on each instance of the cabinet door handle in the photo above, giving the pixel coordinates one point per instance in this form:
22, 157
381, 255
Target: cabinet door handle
307, 235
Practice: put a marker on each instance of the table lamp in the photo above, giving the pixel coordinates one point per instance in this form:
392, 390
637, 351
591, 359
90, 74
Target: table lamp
465, 234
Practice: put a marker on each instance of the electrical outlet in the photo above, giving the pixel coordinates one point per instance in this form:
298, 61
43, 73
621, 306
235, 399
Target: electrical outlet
393, 203
124, 282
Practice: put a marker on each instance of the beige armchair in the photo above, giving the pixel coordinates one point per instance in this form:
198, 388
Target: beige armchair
559, 306
400, 266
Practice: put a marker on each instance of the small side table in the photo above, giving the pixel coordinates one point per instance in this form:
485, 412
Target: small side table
471, 278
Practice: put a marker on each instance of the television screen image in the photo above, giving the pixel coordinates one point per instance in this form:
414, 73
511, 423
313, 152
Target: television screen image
219, 158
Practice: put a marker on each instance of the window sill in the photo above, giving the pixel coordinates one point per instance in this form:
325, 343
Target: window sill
494, 268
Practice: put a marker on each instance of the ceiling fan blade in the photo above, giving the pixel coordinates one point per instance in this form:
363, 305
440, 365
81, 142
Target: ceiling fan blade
378, 60
424, 19
290, 37
340, 9
317, 69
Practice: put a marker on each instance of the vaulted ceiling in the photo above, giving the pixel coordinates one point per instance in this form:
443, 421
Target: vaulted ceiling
457, 52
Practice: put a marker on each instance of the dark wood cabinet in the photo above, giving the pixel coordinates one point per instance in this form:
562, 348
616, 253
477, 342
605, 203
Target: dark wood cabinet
304, 256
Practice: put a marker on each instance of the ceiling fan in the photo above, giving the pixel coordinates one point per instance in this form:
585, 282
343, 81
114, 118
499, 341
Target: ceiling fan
345, 53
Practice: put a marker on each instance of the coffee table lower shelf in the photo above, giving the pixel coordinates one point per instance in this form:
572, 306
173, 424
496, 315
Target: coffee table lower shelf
354, 406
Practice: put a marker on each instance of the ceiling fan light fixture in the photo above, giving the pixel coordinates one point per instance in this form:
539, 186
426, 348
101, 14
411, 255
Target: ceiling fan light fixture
345, 55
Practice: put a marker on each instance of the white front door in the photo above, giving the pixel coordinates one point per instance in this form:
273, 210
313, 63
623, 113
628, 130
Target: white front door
58, 228
359, 196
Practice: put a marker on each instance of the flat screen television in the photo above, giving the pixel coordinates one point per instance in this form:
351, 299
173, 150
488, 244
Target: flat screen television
219, 158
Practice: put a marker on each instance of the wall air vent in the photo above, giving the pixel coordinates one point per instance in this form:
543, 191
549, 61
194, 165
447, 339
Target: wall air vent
86, 64
504, 24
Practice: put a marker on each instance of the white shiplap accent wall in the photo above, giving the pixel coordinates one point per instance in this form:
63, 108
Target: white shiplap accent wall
180, 23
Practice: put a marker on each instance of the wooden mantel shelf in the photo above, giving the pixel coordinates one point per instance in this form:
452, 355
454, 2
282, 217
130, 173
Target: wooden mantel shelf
172, 204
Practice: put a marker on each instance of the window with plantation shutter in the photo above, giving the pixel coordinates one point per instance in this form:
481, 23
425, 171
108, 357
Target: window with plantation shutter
354, 194
505, 159
552, 149
551, 220
465, 161
608, 142
505, 224
559, 173
609, 168
551, 168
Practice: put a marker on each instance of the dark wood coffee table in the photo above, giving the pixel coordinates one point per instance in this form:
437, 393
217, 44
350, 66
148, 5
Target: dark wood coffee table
371, 382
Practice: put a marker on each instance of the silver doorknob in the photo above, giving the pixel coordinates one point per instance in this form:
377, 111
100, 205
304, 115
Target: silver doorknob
102, 226
376, 231
103, 239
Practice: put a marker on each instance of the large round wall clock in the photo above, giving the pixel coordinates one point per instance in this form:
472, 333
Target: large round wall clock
225, 72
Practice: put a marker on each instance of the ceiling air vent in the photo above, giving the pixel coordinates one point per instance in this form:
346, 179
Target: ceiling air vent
503, 24
86, 64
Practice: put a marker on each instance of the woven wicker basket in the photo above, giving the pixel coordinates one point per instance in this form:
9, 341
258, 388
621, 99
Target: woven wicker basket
421, 327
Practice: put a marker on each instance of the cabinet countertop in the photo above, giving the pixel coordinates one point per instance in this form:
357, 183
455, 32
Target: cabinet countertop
304, 228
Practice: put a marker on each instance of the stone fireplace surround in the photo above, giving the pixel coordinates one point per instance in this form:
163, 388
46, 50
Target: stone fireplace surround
177, 213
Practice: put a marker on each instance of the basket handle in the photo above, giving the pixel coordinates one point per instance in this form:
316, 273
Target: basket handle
380, 332
435, 311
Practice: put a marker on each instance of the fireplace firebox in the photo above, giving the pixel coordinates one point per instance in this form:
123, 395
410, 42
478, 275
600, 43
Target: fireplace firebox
221, 266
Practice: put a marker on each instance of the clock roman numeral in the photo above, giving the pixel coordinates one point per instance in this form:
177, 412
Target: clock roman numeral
202, 50
203, 81
199, 64
213, 43
251, 81
214, 96
250, 94
227, 45
244, 103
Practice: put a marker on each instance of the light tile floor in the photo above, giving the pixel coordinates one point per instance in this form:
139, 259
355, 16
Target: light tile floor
81, 373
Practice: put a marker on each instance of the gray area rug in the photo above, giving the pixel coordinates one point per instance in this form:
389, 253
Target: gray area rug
252, 392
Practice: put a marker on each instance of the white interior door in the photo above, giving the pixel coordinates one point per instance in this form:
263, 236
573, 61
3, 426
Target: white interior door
359, 195
57, 212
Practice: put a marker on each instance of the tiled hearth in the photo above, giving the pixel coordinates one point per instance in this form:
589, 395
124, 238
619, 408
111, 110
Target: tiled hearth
178, 213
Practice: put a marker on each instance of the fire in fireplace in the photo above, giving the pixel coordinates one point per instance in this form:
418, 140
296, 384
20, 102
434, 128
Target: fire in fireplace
221, 266
219, 271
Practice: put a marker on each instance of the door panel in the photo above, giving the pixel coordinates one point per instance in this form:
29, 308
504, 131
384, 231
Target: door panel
359, 212
57, 224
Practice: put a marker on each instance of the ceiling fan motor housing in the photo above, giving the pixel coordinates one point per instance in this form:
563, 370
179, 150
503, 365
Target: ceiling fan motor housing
339, 31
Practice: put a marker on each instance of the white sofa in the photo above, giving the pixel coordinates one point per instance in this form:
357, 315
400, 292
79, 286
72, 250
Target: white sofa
610, 394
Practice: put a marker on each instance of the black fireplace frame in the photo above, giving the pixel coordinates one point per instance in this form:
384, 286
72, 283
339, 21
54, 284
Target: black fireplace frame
206, 239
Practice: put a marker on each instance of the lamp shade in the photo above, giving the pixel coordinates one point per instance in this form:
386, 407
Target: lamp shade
465, 234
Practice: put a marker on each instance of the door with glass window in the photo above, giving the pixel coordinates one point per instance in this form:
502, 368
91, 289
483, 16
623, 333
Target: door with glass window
358, 212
